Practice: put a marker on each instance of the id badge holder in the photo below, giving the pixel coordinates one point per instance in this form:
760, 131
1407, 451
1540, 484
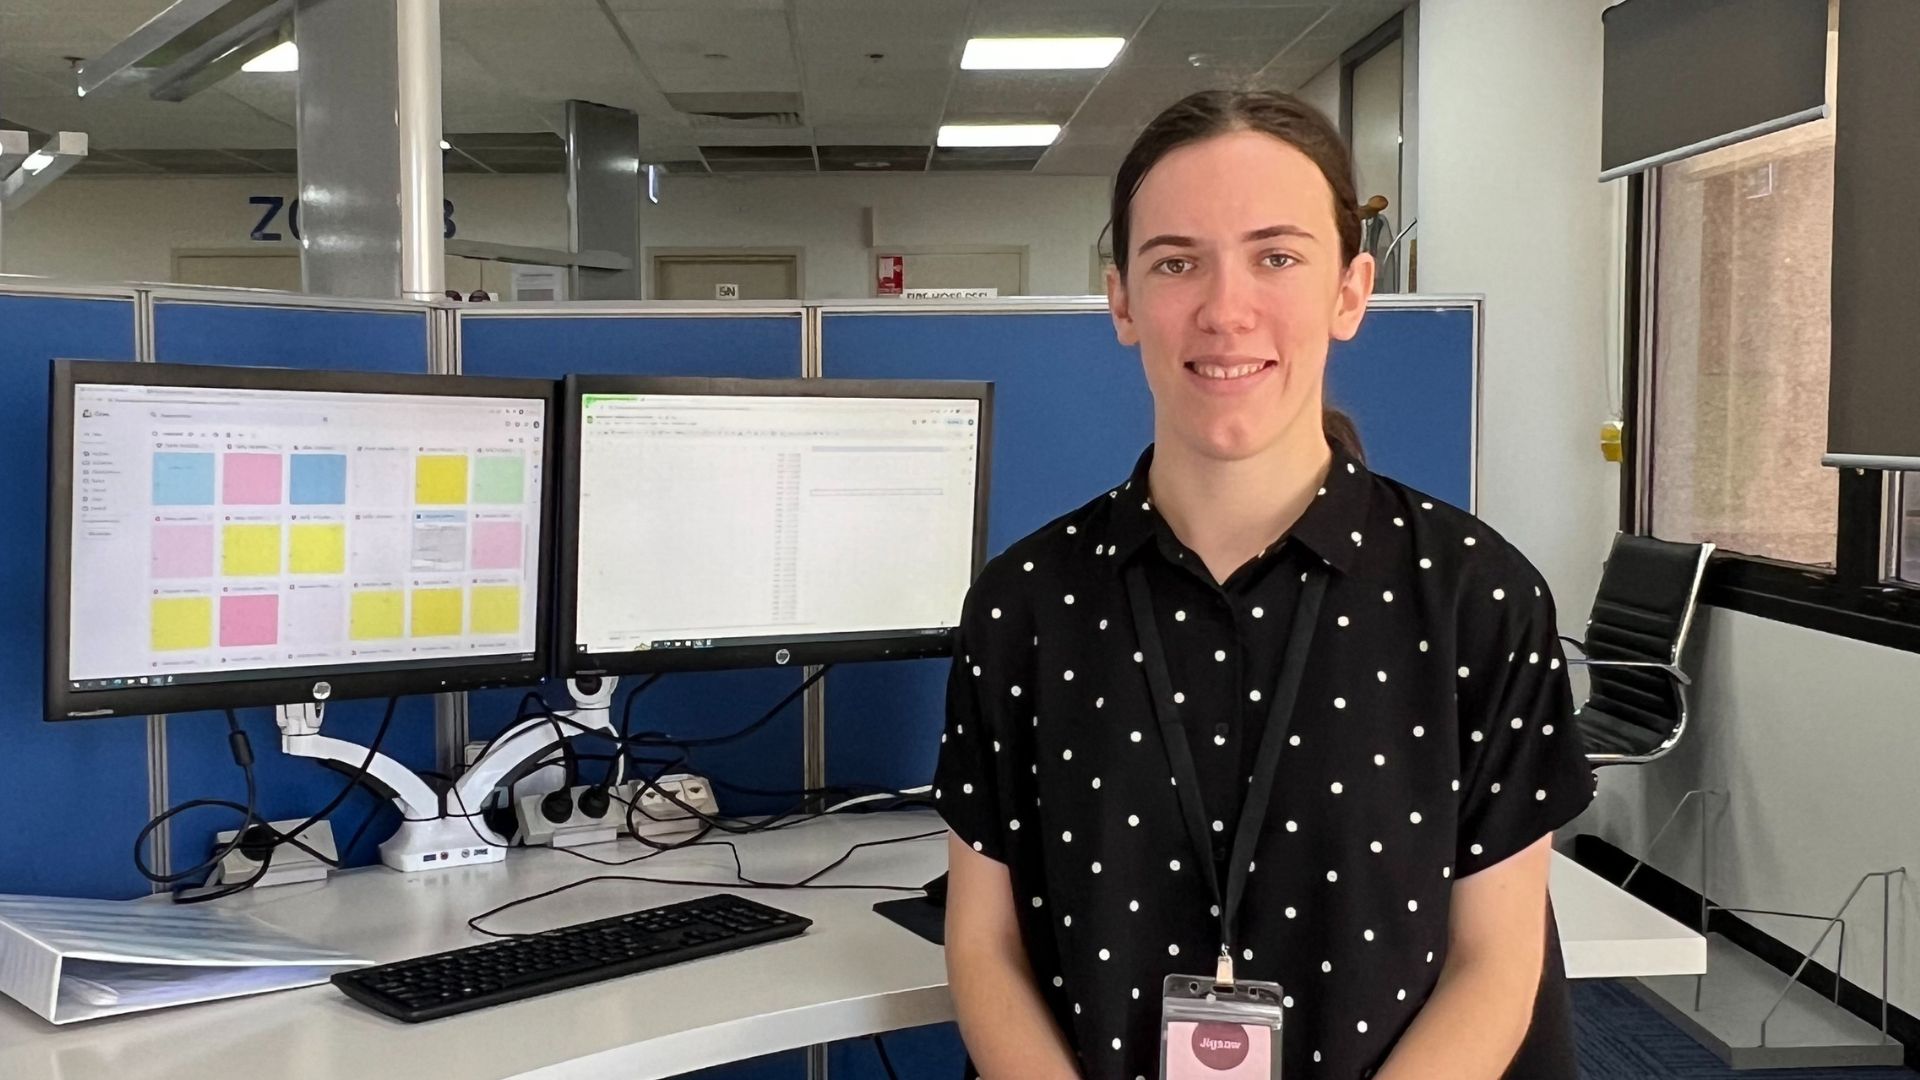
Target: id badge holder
1214, 1032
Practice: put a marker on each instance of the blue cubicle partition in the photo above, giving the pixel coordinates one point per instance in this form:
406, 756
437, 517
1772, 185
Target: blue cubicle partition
653, 339
76, 791
1072, 414
278, 330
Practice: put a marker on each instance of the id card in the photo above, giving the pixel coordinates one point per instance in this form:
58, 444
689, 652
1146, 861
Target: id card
1219, 1033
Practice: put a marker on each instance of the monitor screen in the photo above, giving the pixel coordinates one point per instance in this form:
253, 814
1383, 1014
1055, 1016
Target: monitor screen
730, 523
230, 536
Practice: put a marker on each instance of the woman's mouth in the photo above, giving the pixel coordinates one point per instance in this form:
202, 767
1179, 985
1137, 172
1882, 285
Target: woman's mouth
1209, 369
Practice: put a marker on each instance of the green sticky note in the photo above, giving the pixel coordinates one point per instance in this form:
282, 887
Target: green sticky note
497, 478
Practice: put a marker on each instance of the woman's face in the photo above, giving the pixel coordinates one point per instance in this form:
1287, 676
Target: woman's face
1234, 291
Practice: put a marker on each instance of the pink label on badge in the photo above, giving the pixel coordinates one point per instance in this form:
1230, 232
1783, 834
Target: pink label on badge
1216, 1051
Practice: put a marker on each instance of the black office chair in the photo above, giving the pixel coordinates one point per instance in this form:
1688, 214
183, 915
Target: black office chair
1636, 707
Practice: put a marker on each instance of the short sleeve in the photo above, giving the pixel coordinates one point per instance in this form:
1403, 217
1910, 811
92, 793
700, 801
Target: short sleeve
1523, 769
973, 785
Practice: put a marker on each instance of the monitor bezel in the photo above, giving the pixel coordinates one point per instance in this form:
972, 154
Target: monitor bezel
924, 642
344, 681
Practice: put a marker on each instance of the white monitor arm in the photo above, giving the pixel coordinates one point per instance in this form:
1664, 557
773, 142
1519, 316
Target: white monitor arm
435, 830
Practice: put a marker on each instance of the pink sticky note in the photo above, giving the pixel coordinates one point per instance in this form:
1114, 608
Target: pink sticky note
249, 620
182, 551
250, 480
496, 545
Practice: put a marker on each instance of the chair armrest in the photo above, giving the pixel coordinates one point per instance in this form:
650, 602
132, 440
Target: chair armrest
1678, 675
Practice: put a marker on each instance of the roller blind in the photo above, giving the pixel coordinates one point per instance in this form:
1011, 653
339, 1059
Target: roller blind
1686, 76
1873, 411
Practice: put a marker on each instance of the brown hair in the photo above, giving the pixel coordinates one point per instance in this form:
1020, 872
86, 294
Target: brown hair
1283, 116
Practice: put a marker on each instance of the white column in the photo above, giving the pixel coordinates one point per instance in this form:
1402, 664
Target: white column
423, 264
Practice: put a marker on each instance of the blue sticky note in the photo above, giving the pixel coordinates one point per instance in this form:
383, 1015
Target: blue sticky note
318, 479
182, 479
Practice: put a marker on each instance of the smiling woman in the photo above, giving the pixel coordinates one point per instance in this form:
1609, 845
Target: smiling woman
1257, 131
1255, 653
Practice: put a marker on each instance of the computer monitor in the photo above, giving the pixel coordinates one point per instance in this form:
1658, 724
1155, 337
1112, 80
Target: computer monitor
228, 536
713, 523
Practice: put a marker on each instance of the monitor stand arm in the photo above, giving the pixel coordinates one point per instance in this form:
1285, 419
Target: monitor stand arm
438, 832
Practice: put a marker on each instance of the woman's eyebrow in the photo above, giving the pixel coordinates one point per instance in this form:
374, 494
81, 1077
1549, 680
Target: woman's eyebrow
1175, 240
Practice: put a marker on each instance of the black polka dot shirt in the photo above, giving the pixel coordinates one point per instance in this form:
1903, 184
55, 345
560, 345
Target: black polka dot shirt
1432, 738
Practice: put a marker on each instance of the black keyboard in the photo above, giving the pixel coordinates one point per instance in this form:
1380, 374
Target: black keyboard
479, 976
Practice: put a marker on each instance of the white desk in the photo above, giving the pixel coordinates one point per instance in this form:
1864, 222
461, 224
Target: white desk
855, 973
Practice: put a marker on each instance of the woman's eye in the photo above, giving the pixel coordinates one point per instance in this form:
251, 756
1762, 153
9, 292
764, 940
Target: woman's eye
1173, 266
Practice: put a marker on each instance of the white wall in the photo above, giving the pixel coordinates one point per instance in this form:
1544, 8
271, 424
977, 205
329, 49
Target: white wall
1057, 218
128, 230
1323, 91
1509, 118
1813, 735
118, 229
1813, 738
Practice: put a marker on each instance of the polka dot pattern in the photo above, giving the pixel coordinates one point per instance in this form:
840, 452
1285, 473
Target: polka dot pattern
1431, 662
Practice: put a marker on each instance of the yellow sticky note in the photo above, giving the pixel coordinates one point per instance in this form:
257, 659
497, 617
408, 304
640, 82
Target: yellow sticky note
440, 480
250, 550
182, 622
317, 549
496, 609
436, 612
376, 614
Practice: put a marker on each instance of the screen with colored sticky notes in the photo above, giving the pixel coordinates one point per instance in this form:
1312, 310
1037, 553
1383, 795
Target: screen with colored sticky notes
440, 480
249, 526
317, 549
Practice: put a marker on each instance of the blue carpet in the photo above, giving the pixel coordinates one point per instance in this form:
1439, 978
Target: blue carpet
1622, 1038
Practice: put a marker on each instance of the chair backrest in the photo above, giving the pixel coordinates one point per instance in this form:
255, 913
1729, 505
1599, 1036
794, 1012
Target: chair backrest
1643, 611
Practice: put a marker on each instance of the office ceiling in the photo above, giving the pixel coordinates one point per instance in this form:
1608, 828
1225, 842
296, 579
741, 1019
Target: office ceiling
722, 86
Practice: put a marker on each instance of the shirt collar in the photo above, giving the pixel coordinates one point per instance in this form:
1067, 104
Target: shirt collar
1333, 526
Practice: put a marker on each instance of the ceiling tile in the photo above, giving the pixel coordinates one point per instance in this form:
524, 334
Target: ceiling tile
714, 48
984, 158
873, 158
1040, 96
1050, 18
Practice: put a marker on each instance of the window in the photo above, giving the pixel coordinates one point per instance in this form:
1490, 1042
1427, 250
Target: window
1731, 319
1742, 280
1906, 530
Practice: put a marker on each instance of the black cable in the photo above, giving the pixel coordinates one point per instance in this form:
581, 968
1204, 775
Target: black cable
886, 1062
806, 883
655, 738
355, 779
242, 752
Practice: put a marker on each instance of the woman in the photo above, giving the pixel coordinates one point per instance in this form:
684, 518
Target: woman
1254, 585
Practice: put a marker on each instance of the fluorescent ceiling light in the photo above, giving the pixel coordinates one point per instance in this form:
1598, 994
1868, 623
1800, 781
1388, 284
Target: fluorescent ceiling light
282, 57
998, 134
1034, 54
36, 161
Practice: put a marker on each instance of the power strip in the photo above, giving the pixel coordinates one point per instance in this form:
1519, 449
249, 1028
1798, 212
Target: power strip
287, 864
656, 817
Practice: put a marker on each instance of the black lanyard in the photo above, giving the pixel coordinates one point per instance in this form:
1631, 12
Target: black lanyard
1173, 736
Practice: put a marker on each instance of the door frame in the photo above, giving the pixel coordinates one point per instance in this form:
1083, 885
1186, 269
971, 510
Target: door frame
258, 251
1025, 251
650, 256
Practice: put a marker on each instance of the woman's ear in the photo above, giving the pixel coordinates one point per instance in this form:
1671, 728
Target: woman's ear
1118, 307
1350, 304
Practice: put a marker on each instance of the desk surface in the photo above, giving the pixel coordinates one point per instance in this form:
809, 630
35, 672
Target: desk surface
853, 974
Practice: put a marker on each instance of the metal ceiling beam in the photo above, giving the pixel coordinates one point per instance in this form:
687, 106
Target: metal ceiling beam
59, 153
224, 54
13, 151
166, 53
